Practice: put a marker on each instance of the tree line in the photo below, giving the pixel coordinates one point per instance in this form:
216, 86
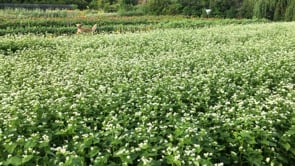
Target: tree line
269, 9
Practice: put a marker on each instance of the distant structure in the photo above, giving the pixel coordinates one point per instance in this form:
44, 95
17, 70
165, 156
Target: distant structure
208, 11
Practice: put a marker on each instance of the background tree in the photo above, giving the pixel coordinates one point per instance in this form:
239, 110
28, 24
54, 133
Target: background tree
280, 10
269, 9
290, 11
157, 6
265, 9
246, 10
108, 5
189, 7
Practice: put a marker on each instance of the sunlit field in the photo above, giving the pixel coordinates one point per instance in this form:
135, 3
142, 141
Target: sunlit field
216, 95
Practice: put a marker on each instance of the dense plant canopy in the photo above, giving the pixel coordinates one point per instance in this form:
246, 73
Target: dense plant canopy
221, 95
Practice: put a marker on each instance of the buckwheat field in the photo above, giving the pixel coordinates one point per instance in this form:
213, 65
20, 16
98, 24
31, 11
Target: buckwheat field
220, 95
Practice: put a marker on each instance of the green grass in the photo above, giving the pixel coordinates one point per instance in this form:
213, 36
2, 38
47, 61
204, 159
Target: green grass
186, 96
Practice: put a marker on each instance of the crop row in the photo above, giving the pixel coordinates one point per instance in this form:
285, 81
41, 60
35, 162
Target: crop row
213, 96
38, 13
108, 24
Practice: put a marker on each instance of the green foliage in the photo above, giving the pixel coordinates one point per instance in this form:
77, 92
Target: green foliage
246, 9
280, 9
225, 8
157, 6
63, 22
290, 11
129, 9
132, 11
218, 95
128, 2
264, 9
108, 5
191, 7
274, 9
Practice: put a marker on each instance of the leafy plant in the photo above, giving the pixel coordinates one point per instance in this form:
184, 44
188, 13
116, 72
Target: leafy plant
218, 95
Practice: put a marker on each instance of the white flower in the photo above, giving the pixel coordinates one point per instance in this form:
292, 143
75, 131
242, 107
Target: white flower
145, 160
45, 138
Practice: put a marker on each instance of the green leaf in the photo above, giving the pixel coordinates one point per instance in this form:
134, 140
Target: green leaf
30, 144
88, 141
14, 161
74, 161
265, 142
101, 161
27, 159
10, 147
156, 163
93, 152
291, 131
287, 146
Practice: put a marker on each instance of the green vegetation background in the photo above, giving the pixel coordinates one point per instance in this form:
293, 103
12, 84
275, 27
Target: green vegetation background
269, 9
